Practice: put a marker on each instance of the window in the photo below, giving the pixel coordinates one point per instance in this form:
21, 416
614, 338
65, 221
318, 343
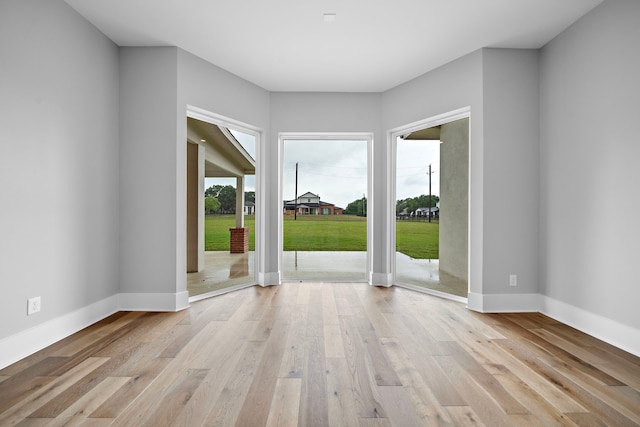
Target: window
318, 243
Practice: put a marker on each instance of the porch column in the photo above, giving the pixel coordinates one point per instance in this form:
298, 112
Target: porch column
195, 207
240, 202
239, 234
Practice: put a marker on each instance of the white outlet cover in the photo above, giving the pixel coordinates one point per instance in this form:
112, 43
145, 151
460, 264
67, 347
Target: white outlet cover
33, 305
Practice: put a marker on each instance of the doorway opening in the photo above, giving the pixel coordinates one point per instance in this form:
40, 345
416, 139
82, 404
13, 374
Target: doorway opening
325, 215
221, 205
431, 198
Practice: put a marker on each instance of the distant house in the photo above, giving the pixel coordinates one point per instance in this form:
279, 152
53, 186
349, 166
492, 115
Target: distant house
249, 208
424, 212
310, 204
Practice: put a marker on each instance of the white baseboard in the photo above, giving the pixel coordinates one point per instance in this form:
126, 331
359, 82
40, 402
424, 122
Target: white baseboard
222, 291
503, 303
381, 279
433, 292
617, 334
605, 329
269, 279
25, 343
154, 302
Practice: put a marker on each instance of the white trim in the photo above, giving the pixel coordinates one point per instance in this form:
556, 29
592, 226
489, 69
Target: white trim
220, 120
440, 119
381, 279
219, 292
153, 301
260, 207
349, 136
269, 279
503, 303
474, 302
615, 333
18, 346
315, 280
433, 292
22, 344
392, 143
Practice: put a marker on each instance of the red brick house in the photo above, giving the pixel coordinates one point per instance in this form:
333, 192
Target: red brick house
310, 204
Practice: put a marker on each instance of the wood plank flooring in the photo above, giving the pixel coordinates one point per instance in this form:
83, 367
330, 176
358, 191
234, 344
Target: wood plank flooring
324, 354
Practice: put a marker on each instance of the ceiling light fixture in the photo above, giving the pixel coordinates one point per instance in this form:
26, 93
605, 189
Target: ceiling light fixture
329, 17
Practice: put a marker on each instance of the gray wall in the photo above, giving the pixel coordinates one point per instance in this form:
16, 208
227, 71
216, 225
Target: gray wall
589, 155
58, 162
453, 86
511, 170
334, 112
92, 160
501, 88
454, 199
149, 256
208, 87
157, 84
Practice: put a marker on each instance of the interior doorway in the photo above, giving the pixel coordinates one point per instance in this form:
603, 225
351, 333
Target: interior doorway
431, 198
222, 202
326, 206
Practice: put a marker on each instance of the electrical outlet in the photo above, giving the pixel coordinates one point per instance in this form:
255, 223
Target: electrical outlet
513, 280
33, 305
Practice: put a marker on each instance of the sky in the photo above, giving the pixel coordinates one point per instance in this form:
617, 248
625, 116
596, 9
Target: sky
412, 170
333, 169
337, 169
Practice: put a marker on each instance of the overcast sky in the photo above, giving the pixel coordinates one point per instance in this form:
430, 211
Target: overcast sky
337, 169
412, 174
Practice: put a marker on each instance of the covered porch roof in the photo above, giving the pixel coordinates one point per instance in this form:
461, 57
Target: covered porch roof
428, 134
224, 155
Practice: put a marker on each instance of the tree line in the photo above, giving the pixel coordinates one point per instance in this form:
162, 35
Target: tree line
222, 199
408, 205
357, 207
412, 203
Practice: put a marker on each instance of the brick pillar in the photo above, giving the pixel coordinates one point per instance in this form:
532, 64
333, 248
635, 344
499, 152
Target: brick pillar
239, 240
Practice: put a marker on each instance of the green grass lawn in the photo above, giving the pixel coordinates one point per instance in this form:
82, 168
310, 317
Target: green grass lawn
216, 231
328, 233
325, 233
418, 239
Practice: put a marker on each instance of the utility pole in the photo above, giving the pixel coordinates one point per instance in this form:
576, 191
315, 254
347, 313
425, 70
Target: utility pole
295, 212
429, 204
364, 209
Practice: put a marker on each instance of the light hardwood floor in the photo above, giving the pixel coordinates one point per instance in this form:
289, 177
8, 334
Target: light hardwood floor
324, 354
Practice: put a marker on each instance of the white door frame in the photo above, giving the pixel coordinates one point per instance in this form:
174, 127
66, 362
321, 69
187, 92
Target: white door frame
392, 145
258, 134
349, 136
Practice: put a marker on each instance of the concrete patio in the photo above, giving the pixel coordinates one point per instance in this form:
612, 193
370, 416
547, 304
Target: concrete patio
224, 270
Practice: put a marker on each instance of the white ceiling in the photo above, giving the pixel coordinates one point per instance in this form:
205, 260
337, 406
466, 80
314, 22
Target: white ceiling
373, 45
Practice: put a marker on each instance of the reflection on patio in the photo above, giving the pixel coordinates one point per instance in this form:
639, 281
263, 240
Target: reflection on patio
328, 266
221, 270
224, 270
351, 266
425, 273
